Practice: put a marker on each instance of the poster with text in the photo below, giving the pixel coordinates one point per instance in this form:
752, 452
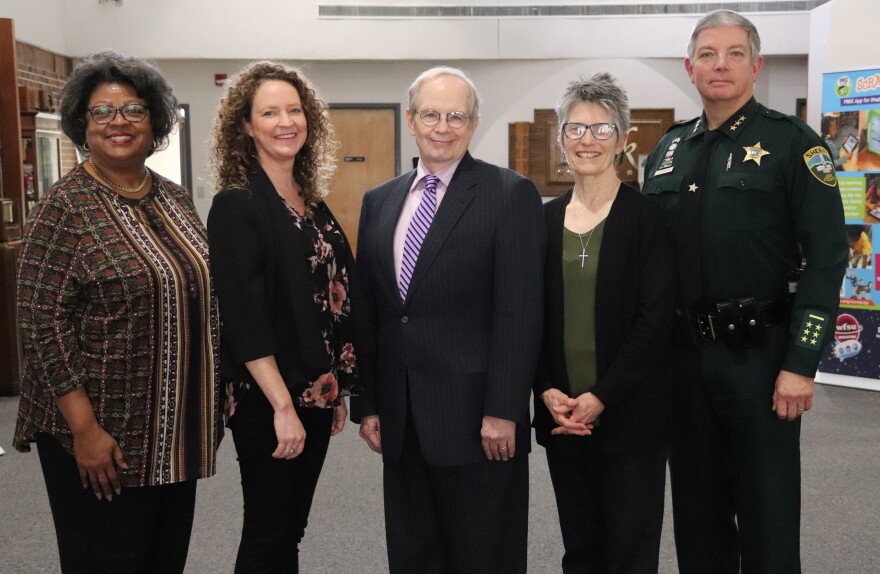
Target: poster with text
851, 129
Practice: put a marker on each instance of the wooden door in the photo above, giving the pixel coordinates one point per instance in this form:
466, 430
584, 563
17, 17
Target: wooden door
368, 156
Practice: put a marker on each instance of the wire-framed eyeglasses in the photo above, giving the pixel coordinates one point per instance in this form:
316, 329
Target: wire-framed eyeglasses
576, 131
103, 114
454, 120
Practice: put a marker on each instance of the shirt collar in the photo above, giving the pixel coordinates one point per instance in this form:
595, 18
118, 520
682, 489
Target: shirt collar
444, 175
733, 126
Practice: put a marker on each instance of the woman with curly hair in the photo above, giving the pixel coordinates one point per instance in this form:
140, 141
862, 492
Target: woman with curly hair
283, 272
120, 331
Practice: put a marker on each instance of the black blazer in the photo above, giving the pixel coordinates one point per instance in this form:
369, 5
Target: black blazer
635, 308
466, 341
261, 275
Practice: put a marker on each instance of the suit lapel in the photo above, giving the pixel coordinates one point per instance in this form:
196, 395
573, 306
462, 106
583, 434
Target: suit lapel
458, 196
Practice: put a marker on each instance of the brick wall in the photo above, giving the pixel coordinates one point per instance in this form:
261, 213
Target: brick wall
38, 68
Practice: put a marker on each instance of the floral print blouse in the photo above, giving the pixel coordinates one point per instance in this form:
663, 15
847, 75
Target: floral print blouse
325, 245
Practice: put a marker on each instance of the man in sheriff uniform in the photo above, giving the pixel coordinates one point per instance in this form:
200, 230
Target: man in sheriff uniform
749, 195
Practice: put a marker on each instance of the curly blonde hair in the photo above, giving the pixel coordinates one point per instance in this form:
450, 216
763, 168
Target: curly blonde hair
234, 154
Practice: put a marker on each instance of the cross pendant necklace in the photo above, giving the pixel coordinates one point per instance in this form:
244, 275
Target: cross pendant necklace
584, 255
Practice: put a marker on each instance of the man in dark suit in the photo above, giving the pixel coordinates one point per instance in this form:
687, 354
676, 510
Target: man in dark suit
451, 257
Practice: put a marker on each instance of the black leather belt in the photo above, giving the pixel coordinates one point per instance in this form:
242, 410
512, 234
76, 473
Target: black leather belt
739, 320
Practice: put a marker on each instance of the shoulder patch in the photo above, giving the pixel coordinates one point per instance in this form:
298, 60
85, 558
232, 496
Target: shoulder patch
821, 165
812, 331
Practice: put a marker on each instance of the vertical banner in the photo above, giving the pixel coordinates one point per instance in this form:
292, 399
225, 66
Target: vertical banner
851, 129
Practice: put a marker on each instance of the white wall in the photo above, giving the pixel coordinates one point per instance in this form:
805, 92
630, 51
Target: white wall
843, 36
218, 29
511, 90
38, 22
853, 35
818, 64
782, 82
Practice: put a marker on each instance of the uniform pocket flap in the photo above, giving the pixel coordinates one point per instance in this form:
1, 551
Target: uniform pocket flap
756, 181
664, 184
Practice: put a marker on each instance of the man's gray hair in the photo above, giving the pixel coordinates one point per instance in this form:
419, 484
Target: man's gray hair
603, 90
723, 19
473, 97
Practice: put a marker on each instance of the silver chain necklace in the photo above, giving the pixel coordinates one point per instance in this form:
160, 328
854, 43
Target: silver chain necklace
584, 255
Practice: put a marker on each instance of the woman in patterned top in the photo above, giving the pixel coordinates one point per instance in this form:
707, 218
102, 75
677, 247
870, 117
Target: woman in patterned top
284, 276
120, 332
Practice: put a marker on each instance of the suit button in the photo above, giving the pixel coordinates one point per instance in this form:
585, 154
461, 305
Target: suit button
404, 319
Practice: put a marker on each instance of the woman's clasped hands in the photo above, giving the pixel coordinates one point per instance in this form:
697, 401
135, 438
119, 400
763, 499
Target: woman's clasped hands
574, 415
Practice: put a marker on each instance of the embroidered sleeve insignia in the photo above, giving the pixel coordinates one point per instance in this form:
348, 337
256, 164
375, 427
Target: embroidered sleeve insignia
820, 164
813, 327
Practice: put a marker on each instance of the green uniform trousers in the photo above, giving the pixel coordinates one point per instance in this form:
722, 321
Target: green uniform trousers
735, 466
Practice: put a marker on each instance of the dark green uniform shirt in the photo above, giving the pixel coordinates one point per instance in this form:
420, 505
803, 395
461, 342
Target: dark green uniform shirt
770, 196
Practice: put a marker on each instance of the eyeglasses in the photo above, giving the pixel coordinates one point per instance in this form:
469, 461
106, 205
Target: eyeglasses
134, 113
576, 131
454, 120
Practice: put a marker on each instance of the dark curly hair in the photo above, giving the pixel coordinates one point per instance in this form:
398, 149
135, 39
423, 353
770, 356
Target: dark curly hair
234, 153
110, 67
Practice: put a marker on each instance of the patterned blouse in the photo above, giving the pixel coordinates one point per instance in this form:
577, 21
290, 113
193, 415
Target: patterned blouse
114, 296
325, 245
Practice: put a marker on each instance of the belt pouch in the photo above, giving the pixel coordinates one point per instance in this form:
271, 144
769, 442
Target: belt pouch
751, 320
728, 313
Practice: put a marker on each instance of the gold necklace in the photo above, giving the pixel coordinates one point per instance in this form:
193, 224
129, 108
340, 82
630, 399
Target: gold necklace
112, 183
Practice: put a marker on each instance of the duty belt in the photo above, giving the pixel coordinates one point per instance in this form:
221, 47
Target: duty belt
738, 321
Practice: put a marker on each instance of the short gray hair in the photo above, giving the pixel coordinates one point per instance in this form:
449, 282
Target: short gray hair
724, 19
603, 90
473, 97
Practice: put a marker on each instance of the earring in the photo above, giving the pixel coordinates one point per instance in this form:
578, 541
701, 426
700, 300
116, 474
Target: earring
85, 146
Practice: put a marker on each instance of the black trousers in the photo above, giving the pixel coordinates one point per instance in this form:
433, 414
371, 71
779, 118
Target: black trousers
735, 467
144, 530
460, 519
610, 505
277, 493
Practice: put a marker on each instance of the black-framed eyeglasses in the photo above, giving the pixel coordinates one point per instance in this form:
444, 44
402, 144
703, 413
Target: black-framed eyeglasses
134, 113
454, 120
576, 131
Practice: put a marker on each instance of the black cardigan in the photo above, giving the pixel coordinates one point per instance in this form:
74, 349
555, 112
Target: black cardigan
635, 309
261, 275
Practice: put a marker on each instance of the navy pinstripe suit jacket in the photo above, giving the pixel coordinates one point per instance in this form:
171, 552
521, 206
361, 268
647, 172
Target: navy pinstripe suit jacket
465, 342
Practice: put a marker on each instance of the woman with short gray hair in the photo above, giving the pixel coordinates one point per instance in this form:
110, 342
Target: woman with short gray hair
602, 400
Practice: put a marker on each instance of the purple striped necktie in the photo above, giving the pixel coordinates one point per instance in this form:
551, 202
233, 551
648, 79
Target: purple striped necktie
415, 235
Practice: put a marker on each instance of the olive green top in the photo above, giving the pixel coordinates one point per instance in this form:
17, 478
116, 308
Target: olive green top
770, 198
579, 286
